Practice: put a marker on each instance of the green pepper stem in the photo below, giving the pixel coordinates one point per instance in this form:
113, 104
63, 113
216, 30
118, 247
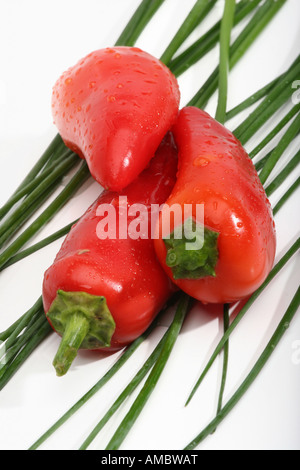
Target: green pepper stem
192, 251
84, 321
76, 330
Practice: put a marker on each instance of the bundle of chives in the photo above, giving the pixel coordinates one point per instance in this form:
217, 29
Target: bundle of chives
269, 168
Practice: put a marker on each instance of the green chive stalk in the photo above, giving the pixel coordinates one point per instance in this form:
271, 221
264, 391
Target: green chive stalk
208, 41
21, 325
195, 16
33, 328
256, 25
251, 100
276, 269
255, 371
56, 174
287, 170
34, 184
39, 245
30, 346
286, 196
53, 146
226, 322
65, 195
290, 134
225, 35
138, 22
26, 215
275, 131
278, 96
125, 355
141, 400
134, 383
83, 400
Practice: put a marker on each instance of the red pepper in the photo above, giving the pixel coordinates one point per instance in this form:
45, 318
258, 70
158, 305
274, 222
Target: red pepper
113, 108
104, 293
239, 233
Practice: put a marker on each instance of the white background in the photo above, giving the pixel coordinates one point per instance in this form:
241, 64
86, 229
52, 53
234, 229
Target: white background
39, 40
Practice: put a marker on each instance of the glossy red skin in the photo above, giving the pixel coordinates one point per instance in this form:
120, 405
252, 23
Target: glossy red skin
216, 171
126, 272
113, 108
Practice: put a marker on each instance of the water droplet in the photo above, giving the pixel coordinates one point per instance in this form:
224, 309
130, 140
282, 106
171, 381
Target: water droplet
111, 99
200, 161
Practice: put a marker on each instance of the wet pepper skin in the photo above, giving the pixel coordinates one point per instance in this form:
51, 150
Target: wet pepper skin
113, 108
125, 271
215, 170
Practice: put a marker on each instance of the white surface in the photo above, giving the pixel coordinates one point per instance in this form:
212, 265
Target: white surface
39, 41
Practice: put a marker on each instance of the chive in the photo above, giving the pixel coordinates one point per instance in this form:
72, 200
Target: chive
260, 363
66, 194
275, 131
113, 370
195, 16
16, 347
27, 189
26, 318
283, 174
34, 341
225, 35
276, 269
261, 93
138, 22
140, 402
280, 178
56, 142
253, 29
56, 174
290, 134
127, 33
279, 94
18, 325
286, 196
207, 41
255, 26
55, 157
6, 333
126, 354
261, 163
14, 228
126, 392
225, 357
38, 246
